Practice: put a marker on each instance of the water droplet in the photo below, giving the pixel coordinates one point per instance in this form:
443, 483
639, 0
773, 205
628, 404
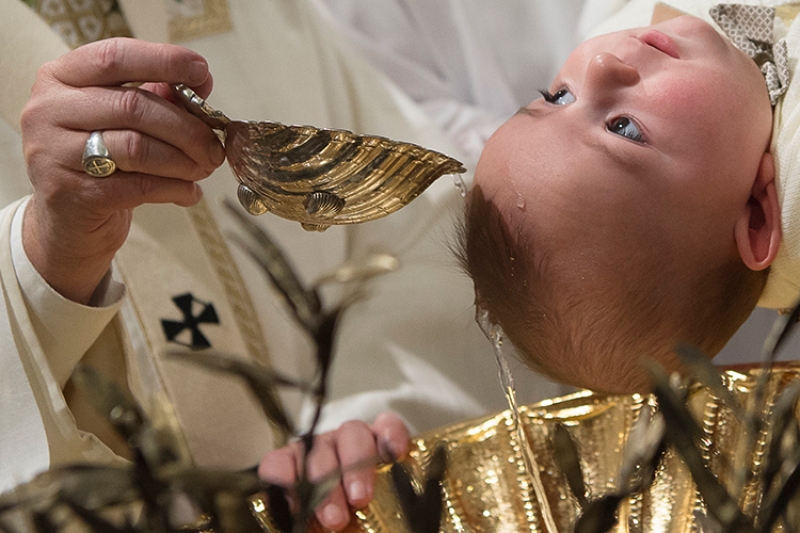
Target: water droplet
459, 183
520, 201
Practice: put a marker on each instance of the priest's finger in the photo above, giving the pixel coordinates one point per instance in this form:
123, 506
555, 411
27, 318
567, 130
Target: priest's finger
392, 436
122, 60
358, 456
124, 108
333, 512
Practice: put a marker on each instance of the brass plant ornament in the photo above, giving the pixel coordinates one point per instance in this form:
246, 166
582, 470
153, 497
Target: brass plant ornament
320, 177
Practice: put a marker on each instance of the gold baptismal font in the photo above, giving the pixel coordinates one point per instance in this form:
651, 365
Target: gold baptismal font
487, 487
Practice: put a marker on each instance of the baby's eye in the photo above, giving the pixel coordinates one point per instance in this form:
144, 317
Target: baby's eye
561, 97
625, 127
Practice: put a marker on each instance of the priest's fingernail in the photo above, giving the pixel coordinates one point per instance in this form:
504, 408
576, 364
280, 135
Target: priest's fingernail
217, 153
332, 515
385, 452
198, 72
357, 491
390, 451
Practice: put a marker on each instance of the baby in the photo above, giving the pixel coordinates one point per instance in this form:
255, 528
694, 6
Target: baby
631, 208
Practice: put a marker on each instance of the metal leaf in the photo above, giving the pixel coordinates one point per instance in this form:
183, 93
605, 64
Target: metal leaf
162, 441
404, 487
422, 511
233, 514
94, 487
42, 523
781, 421
350, 271
121, 411
197, 481
324, 340
325, 337
778, 499
707, 524
260, 380
5, 527
643, 448
310, 495
279, 509
437, 465
599, 515
305, 304
781, 329
791, 518
565, 453
93, 520
703, 370
683, 432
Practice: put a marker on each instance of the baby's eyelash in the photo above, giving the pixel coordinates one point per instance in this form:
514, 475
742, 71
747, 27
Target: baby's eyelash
562, 96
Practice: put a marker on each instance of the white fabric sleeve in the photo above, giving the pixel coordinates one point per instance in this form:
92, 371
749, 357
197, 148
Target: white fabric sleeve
23, 441
65, 329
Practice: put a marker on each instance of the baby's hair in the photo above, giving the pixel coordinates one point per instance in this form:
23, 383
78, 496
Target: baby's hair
568, 334
506, 273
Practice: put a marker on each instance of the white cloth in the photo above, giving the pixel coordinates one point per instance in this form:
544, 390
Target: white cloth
469, 63
783, 288
415, 332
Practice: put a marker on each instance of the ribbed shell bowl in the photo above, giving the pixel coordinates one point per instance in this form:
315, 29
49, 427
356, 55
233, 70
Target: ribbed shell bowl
320, 177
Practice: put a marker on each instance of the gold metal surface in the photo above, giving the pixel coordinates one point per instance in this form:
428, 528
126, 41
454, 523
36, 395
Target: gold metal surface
487, 488
320, 177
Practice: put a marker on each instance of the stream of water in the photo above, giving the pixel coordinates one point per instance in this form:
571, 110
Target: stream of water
495, 335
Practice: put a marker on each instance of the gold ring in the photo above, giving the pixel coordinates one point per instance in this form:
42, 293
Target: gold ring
96, 160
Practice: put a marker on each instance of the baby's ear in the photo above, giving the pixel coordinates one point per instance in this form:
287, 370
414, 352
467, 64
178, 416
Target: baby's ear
758, 230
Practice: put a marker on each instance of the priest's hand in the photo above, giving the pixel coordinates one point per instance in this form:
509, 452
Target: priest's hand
355, 448
75, 223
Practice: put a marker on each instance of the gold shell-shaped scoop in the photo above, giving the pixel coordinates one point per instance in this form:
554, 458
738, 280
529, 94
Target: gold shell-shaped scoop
320, 177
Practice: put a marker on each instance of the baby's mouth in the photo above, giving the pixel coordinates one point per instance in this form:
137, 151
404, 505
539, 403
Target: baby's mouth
661, 42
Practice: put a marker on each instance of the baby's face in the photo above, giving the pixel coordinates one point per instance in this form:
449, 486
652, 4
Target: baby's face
643, 154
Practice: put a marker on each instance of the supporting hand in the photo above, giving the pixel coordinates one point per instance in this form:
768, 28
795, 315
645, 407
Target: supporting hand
354, 443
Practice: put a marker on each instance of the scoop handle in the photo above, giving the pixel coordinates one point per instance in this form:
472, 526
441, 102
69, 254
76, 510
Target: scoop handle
199, 107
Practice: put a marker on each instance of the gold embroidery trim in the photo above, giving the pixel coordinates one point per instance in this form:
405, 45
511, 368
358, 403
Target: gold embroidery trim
215, 18
79, 22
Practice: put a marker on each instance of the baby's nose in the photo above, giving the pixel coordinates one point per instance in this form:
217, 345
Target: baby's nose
607, 72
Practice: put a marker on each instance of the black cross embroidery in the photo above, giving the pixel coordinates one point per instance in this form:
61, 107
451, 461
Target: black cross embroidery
173, 328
